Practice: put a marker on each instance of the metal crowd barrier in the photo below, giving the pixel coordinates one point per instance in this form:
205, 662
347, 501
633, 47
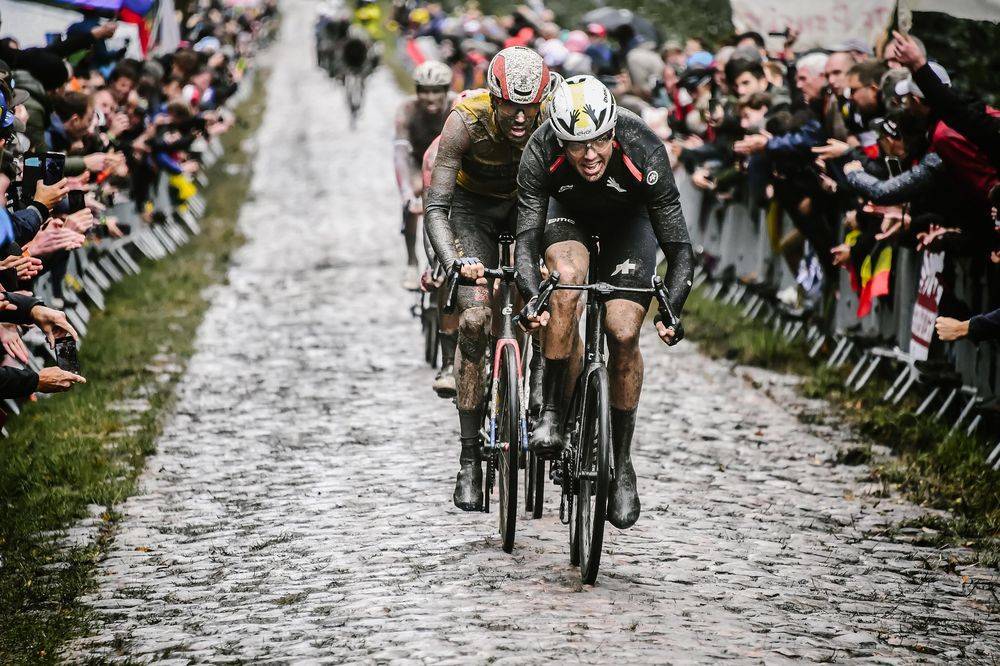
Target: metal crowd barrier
93, 269
741, 265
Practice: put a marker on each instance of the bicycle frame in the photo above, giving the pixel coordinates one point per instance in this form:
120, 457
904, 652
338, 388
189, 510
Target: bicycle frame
504, 304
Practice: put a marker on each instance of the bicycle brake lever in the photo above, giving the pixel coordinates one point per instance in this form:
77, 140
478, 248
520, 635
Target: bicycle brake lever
665, 313
449, 304
542, 301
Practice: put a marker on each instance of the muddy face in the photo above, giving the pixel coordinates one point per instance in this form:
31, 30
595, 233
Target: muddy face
515, 120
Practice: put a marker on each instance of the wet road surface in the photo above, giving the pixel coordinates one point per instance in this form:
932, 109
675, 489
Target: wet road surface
298, 508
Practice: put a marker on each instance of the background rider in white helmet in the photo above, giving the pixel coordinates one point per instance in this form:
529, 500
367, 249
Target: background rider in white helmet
419, 120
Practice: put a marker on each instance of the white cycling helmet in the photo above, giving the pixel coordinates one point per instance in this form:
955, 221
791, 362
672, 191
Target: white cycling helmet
518, 74
555, 78
432, 74
582, 108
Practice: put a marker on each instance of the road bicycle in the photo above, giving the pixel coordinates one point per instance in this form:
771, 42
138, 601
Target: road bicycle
585, 467
504, 433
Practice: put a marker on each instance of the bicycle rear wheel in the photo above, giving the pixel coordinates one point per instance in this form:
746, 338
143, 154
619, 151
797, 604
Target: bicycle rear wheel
593, 470
508, 439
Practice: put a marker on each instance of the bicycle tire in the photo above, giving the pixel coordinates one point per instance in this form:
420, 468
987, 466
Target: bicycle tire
508, 429
571, 430
534, 485
594, 474
431, 326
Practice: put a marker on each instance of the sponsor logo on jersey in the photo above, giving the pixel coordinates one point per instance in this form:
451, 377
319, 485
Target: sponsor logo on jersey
652, 177
624, 268
613, 184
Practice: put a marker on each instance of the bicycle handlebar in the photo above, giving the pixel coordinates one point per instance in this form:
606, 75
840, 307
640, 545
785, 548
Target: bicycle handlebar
665, 313
455, 280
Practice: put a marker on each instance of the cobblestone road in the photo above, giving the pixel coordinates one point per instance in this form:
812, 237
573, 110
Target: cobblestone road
298, 507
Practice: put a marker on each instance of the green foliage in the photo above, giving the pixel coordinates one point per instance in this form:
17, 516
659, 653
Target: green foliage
958, 45
75, 449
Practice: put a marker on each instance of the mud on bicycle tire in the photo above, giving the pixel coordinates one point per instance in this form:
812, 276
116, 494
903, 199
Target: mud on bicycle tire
593, 465
509, 431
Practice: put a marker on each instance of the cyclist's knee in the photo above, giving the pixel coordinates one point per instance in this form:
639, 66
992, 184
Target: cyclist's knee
622, 337
473, 329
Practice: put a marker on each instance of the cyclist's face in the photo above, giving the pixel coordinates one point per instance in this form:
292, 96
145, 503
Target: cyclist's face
432, 100
590, 158
516, 120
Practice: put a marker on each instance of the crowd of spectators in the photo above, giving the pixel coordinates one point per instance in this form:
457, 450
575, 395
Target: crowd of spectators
84, 128
863, 152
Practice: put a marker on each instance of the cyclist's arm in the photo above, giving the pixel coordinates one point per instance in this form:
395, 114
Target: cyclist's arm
532, 209
455, 141
671, 231
402, 154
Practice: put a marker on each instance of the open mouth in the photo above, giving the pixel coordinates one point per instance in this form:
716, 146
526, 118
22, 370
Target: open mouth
593, 168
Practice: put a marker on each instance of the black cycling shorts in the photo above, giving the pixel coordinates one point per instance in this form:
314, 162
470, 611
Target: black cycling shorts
477, 222
627, 245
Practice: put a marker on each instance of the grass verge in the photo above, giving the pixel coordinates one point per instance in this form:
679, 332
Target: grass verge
933, 468
79, 453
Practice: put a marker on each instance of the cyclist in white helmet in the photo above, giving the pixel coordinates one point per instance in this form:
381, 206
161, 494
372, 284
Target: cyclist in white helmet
595, 169
470, 201
419, 119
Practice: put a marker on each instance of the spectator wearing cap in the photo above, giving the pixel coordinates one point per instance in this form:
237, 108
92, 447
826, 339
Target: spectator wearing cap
975, 120
858, 49
601, 55
700, 60
974, 174
753, 41
901, 135
47, 73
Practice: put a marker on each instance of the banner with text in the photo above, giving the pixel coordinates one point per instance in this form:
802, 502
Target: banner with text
821, 23
926, 308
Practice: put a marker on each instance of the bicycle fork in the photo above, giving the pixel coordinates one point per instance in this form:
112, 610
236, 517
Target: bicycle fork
495, 393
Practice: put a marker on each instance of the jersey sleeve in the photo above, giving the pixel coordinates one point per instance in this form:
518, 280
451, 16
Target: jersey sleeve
665, 214
532, 209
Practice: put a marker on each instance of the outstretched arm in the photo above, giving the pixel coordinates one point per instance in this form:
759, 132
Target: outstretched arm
455, 142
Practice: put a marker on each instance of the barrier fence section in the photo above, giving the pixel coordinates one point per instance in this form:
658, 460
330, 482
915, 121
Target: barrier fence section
741, 263
79, 285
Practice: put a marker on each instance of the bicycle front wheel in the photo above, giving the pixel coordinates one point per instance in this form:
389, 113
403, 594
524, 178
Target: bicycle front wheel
508, 440
593, 471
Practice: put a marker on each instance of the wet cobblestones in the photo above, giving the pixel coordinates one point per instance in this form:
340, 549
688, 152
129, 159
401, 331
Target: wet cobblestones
298, 508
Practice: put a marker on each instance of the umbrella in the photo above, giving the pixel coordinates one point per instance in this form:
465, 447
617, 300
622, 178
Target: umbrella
623, 23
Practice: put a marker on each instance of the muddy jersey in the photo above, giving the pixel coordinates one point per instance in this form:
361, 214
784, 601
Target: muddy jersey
421, 129
638, 176
489, 167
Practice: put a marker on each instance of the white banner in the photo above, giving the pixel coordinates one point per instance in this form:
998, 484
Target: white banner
926, 308
29, 21
821, 23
